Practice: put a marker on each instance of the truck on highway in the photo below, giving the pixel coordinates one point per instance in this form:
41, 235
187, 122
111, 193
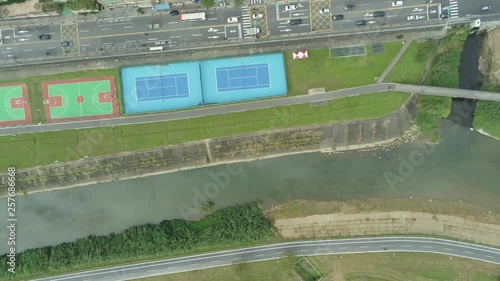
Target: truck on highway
153, 26
252, 31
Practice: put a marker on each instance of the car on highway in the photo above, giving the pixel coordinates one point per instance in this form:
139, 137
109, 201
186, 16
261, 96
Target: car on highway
412, 17
361, 22
67, 43
174, 13
397, 3
232, 19
324, 11
290, 7
337, 17
257, 16
44, 37
379, 14
349, 7
295, 22
485, 8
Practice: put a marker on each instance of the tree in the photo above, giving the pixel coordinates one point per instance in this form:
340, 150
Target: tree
207, 207
238, 3
208, 3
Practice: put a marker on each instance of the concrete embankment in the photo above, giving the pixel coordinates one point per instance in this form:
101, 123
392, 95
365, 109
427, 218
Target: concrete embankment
328, 137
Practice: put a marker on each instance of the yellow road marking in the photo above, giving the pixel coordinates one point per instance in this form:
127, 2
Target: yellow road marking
160, 31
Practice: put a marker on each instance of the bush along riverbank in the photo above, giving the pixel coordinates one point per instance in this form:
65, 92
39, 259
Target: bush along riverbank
230, 227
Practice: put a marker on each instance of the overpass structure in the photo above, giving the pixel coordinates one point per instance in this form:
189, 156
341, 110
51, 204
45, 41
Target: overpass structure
253, 105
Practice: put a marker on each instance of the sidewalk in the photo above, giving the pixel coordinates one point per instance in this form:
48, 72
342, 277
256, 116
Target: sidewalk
394, 61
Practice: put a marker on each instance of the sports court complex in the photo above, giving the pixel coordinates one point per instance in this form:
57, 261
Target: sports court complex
80, 99
16, 109
183, 85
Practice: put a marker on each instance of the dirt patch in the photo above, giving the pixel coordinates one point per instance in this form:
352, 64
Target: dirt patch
301, 219
489, 63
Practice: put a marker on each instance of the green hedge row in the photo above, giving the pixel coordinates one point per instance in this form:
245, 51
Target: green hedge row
226, 227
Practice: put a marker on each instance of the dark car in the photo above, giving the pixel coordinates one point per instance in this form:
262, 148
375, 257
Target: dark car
295, 22
174, 13
349, 7
44, 37
361, 22
67, 43
338, 17
378, 14
444, 15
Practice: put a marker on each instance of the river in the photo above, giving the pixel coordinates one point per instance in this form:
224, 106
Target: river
465, 166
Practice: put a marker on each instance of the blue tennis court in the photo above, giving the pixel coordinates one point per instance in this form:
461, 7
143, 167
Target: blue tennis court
162, 87
243, 78
252, 76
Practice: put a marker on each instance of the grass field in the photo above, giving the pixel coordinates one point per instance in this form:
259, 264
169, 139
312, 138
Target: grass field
319, 70
35, 93
411, 67
359, 267
45, 148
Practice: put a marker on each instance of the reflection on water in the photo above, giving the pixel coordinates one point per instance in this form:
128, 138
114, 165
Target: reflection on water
464, 167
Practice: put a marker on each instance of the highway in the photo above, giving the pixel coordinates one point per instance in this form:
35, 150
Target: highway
275, 251
101, 37
250, 105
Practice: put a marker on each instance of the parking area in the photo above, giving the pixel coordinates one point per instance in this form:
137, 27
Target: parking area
320, 15
258, 19
69, 33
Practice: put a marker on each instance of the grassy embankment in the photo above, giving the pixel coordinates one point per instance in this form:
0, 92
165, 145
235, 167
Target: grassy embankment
444, 60
487, 113
45, 148
359, 267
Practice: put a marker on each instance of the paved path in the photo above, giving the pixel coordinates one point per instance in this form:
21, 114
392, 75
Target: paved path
252, 105
393, 62
275, 251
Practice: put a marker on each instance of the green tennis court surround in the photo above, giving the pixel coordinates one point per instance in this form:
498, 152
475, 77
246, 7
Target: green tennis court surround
80, 99
15, 110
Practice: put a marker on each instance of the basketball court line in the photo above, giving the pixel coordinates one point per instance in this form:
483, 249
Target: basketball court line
9, 110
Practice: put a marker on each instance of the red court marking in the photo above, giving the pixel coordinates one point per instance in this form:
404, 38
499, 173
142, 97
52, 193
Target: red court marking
16, 103
23, 104
111, 94
55, 101
80, 99
104, 97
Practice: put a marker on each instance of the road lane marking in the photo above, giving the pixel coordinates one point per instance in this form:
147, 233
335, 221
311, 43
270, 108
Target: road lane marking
343, 248
128, 26
152, 39
215, 261
195, 264
304, 24
85, 45
84, 31
213, 19
448, 249
29, 50
364, 247
48, 48
260, 255
196, 35
470, 253
488, 256
222, 32
129, 41
107, 28
173, 22
391, 16
151, 270
174, 37
279, 253
426, 246
406, 246
302, 251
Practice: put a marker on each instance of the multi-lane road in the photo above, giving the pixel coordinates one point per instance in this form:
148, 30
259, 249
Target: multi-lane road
120, 35
303, 248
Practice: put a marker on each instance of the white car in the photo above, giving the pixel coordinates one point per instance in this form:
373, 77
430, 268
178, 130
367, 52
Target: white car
412, 17
290, 7
232, 20
397, 3
324, 11
257, 16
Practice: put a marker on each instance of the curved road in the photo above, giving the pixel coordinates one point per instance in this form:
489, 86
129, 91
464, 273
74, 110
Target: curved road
251, 105
275, 251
